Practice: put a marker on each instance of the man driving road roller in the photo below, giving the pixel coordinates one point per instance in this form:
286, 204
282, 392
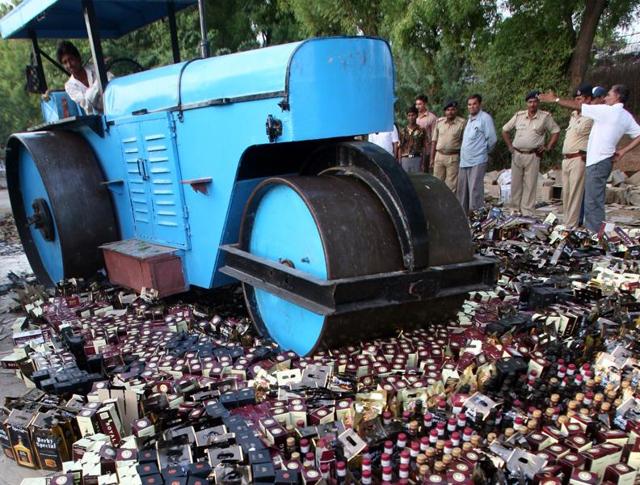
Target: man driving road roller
82, 86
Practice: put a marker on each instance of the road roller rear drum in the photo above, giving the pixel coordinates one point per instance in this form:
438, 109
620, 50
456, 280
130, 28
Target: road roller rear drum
62, 210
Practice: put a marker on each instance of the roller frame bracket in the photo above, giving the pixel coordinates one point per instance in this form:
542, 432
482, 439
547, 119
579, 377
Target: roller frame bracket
94, 122
199, 184
385, 177
345, 295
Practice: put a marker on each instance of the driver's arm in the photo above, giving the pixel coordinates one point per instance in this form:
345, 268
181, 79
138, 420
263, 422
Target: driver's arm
89, 100
79, 95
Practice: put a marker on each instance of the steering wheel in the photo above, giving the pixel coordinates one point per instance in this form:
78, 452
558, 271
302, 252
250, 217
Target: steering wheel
126, 65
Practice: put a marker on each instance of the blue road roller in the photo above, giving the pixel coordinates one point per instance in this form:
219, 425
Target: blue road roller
237, 168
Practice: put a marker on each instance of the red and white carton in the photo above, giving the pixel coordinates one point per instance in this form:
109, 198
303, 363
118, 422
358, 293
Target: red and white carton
582, 477
598, 458
620, 474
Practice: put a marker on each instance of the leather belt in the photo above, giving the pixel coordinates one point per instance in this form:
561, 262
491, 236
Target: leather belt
449, 152
525, 152
412, 155
582, 155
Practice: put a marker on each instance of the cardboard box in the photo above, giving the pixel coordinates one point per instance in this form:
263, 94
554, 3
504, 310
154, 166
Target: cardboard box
620, 474
110, 422
17, 428
600, 457
7, 450
49, 443
88, 421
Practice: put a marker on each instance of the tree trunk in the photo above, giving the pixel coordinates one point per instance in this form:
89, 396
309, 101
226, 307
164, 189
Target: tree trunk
581, 52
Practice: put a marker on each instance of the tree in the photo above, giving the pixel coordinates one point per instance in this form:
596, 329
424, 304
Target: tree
346, 17
273, 22
18, 109
584, 41
542, 44
434, 43
602, 15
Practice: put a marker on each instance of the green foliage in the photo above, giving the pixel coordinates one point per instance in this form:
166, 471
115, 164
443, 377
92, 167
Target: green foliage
433, 45
530, 50
346, 17
18, 109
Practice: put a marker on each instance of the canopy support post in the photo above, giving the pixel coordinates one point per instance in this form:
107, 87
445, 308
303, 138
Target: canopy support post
204, 42
173, 31
42, 81
94, 41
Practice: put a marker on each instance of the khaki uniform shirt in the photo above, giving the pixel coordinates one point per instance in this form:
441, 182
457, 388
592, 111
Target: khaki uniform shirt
577, 136
448, 135
427, 122
530, 131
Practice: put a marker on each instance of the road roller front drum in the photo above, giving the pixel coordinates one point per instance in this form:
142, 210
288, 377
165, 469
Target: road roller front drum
323, 264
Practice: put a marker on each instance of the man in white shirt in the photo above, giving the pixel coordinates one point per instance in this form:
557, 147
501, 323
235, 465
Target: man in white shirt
82, 86
610, 122
388, 140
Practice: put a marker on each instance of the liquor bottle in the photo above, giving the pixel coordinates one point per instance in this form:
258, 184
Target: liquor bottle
414, 450
423, 471
431, 457
290, 447
341, 473
387, 418
403, 471
548, 418
424, 444
387, 474
325, 471
439, 449
476, 441
366, 478
598, 399
401, 441
427, 423
413, 429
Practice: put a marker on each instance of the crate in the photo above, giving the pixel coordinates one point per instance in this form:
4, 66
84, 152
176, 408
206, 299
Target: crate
138, 264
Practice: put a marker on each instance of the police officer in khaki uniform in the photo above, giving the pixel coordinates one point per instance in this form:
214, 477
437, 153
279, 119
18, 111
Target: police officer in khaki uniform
527, 149
445, 145
574, 157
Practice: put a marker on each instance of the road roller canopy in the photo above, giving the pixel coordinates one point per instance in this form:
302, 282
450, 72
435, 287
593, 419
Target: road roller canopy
64, 19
